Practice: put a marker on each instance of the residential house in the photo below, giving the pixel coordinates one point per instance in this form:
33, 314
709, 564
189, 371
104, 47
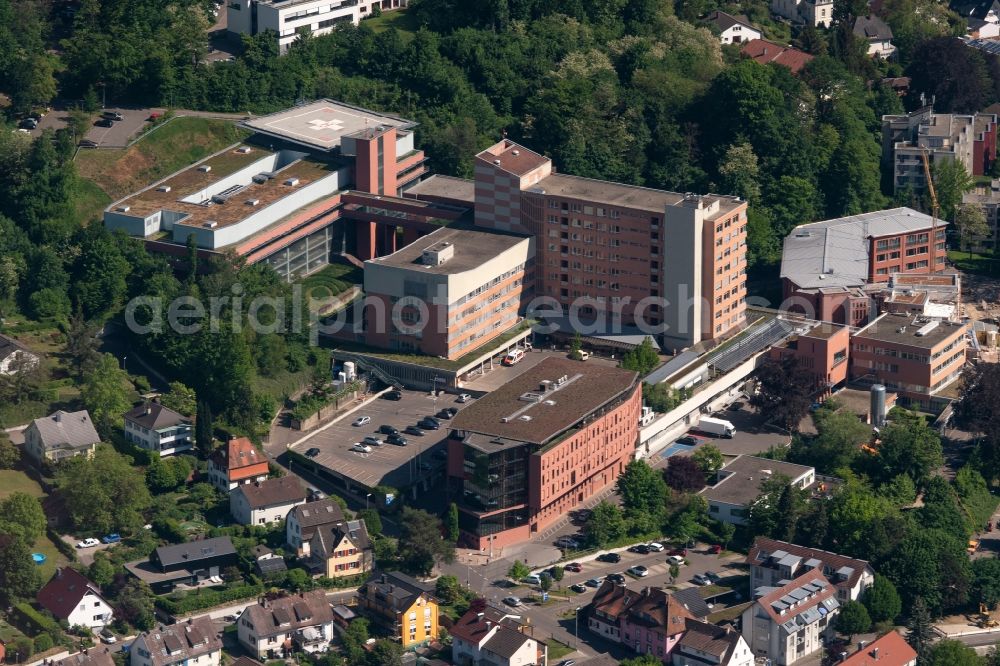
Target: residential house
184, 564
60, 436
654, 623
72, 598
877, 33
245, 661
302, 521
764, 52
772, 561
341, 549
275, 628
402, 607
707, 644
267, 563
791, 622
488, 634
193, 642
15, 357
235, 463
739, 485
889, 650
981, 16
157, 428
266, 502
97, 656
732, 29
607, 610
817, 13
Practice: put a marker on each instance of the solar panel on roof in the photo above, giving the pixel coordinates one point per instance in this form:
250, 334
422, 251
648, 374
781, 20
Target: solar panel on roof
778, 605
799, 594
755, 341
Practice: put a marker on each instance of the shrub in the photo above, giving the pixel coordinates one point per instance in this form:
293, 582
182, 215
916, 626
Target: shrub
34, 621
43, 642
208, 598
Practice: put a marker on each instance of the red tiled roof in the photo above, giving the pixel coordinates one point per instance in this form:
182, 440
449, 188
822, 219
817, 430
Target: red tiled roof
472, 626
890, 650
236, 454
612, 599
660, 607
764, 51
61, 594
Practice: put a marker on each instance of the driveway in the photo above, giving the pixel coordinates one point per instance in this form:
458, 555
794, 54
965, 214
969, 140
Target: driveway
119, 134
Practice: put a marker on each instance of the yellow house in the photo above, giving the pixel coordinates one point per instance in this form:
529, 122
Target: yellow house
401, 606
341, 549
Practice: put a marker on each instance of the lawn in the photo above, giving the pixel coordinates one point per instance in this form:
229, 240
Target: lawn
175, 145
976, 263
14, 481
402, 20
89, 200
558, 650
331, 281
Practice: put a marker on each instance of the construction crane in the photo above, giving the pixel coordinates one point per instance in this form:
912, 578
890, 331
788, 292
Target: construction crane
935, 210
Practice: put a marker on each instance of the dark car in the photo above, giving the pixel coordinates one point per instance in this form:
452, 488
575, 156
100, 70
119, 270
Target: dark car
397, 439
393, 395
613, 558
641, 548
105, 122
387, 430
112, 115
429, 424
681, 552
715, 548
28, 123
688, 440
446, 413
616, 578
312, 453
413, 430
574, 567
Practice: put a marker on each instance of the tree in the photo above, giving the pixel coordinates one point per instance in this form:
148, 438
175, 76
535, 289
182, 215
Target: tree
180, 398
135, 605
956, 78
19, 577
951, 181
557, 573
920, 630
642, 488
709, 459
976, 411
660, 397
683, 474
950, 652
777, 508
740, 173
785, 391
26, 511
420, 544
373, 521
675, 571
576, 346
838, 443
853, 619
642, 359
908, 446
545, 582
9, 453
105, 395
448, 589
453, 531
354, 638
930, 564
986, 581
114, 504
882, 600
971, 224
204, 436
518, 571
385, 653
81, 345
642, 660
725, 532
605, 525
101, 570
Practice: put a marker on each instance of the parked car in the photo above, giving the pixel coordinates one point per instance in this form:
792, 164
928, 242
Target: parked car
361, 448
688, 440
312, 453
113, 115
675, 559
111, 538
28, 124
108, 637
700, 579
532, 579
428, 423
513, 602
105, 122
393, 395
397, 439
715, 548
567, 542
617, 578
655, 547
640, 548
613, 558
372, 440
567, 662
678, 551
388, 430
464, 397
513, 357
88, 543
595, 582
446, 413
413, 430
361, 420
639, 571
154, 115
574, 567
712, 576
578, 588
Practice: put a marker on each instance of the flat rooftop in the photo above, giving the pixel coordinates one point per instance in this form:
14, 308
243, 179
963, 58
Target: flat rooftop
444, 187
585, 388
513, 158
322, 124
902, 329
624, 196
744, 476
472, 249
920, 280
823, 331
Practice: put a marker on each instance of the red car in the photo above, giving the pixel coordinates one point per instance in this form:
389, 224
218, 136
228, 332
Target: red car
715, 549
575, 567
681, 552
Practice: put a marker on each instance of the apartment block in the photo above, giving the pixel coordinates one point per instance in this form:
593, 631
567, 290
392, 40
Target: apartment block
916, 357
823, 348
522, 456
792, 621
987, 197
772, 561
289, 18
817, 13
740, 482
448, 292
402, 607
676, 262
970, 139
157, 428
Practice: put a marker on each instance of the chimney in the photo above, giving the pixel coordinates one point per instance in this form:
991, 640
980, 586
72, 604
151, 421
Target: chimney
489, 625
875, 653
189, 621
57, 417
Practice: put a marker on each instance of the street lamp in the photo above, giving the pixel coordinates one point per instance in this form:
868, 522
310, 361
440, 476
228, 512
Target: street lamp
366, 500
576, 627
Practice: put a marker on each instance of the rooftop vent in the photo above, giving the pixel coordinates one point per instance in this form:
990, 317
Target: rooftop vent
515, 152
901, 329
252, 202
530, 396
205, 168
211, 224
438, 254
497, 162
219, 199
123, 209
244, 150
261, 178
926, 329
163, 188
550, 402
292, 182
524, 417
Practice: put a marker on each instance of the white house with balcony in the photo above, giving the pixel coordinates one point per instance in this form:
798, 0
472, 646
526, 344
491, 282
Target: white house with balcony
157, 428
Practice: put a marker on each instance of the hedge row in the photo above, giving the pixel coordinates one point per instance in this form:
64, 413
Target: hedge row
34, 622
312, 403
201, 599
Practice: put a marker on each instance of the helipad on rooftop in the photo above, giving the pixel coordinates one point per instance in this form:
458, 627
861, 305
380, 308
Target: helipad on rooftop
322, 125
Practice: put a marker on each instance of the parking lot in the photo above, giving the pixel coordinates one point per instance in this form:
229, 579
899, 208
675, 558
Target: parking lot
119, 134
388, 464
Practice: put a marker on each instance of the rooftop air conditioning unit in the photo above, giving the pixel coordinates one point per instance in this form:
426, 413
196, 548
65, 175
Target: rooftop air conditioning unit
260, 179
292, 182
211, 224
123, 209
252, 202
205, 168
163, 188
525, 417
219, 199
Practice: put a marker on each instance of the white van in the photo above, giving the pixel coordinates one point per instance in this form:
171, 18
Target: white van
512, 357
